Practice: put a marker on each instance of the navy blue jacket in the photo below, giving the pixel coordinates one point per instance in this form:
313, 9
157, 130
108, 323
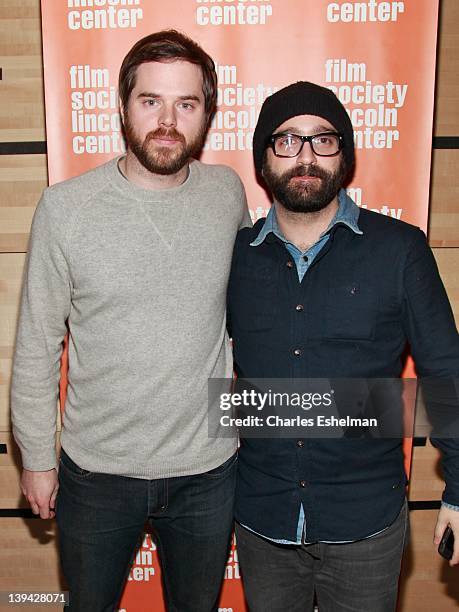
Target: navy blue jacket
363, 299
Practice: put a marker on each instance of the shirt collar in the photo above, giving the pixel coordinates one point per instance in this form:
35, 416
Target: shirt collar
347, 214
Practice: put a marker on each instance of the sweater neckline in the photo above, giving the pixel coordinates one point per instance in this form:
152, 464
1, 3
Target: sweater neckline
132, 191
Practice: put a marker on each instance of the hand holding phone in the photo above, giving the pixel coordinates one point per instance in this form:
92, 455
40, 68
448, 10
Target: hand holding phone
446, 546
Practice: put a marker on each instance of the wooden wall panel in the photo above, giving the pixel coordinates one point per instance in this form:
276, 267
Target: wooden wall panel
22, 179
447, 91
29, 556
426, 481
21, 93
444, 199
427, 582
448, 265
11, 267
10, 469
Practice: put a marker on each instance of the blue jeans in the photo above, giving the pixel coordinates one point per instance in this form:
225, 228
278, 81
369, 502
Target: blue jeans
360, 576
101, 518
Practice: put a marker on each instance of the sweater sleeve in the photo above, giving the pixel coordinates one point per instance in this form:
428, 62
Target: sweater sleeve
434, 343
45, 307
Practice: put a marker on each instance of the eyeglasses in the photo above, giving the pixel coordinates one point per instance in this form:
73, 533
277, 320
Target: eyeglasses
325, 144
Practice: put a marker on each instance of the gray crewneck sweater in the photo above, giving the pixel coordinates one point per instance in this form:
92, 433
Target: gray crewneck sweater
140, 278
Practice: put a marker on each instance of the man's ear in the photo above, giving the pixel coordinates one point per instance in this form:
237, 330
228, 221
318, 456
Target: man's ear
121, 107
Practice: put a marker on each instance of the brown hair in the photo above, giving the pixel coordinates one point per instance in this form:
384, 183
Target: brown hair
163, 46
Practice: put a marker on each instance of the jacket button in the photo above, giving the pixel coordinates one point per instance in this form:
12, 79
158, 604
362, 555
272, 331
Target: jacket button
300, 443
299, 307
290, 264
297, 352
303, 484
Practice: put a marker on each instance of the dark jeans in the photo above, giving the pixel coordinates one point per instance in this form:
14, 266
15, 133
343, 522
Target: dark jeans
101, 518
360, 576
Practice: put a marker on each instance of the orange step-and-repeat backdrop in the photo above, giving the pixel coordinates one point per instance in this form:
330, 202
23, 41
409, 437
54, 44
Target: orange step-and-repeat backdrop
377, 56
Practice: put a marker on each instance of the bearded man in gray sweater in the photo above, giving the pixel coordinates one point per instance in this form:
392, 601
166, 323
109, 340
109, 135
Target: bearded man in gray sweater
133, 259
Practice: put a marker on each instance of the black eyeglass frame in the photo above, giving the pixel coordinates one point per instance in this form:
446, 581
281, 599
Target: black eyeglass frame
274, 137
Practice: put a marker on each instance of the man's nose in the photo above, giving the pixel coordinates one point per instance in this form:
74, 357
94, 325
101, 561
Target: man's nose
306, 155
167, 117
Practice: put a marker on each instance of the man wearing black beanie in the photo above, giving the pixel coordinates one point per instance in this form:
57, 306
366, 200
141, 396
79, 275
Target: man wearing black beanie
312, 295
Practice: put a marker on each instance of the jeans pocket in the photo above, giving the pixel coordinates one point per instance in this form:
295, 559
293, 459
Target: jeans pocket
222, 469
71, 467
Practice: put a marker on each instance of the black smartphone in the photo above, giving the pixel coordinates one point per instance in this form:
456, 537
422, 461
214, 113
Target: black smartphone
446, 546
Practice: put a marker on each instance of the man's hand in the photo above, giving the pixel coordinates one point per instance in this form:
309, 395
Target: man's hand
40, 489
447, 516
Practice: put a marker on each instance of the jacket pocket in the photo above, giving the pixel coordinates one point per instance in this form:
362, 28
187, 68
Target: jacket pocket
350, 313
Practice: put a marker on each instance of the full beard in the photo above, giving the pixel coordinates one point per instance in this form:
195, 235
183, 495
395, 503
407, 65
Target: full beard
305, 197
162, 159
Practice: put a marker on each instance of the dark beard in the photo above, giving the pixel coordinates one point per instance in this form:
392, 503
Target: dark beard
162, 160
305, 198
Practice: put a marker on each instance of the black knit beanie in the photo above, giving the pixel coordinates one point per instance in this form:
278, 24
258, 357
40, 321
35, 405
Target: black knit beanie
302, 98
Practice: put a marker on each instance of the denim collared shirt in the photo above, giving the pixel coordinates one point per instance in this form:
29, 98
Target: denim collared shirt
347, 213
